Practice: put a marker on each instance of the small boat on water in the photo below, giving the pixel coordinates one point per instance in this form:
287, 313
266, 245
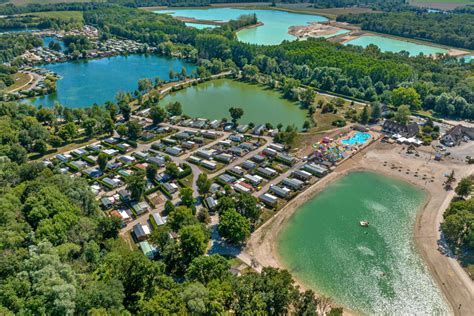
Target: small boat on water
364, 223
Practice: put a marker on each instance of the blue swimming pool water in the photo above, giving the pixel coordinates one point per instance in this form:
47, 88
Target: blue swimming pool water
357, 139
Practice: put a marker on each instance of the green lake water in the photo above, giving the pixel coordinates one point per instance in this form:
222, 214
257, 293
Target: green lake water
392, 45
212, 100
273, 31
200, 26
84, 83
373, 270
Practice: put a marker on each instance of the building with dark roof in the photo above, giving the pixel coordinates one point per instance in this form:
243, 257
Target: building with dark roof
456, 134
405, 130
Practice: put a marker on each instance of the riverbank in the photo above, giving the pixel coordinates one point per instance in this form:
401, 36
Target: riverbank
390, 161
315, 29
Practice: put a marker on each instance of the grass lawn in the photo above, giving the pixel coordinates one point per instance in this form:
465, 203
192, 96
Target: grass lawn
21, 80
188, 180
324, 121
62, 15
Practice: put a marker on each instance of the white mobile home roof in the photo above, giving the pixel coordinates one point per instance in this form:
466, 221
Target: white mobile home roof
158, 219
268, 198
282, 192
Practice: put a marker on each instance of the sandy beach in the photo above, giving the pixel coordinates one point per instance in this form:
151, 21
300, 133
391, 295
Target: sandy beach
391, 160
314, 29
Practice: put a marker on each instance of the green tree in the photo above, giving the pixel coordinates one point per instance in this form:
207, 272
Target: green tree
55, 141
180, 217
233, 226
247, 205
102, 160
126, 111
172, 170
186, 196
203, 184
205, 269
364, 115
68, 131
122, 130
193, 242
406, 96
89, 126
402, 114
157, 114
464, 187
376, 112
196, 298
307, 97
134, 130
136, 185
236, 114
40, 146
107, 126
169, 207
306, 125
174, 108
151, 171
145, 85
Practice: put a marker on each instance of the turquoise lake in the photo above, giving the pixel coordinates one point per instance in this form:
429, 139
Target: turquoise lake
273, 31
373, 270
200, 26
84, 83
392, 45
49, 39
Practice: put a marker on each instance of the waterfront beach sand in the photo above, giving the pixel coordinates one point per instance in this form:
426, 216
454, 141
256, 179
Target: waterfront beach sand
454, 283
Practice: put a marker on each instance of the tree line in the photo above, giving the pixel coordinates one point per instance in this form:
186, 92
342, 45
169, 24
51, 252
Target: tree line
443, 28
444, 85
458, 224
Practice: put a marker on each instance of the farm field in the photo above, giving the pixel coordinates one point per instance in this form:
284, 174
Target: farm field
63, 15
441, 4
26, 2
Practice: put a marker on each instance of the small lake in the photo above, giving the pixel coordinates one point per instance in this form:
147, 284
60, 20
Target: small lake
84, 83
212, 100
273, 31
18, 30
393, 45
200, 26
49, 39
371, 270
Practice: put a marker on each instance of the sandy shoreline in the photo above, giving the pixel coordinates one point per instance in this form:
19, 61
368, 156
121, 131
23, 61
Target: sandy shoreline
451, 279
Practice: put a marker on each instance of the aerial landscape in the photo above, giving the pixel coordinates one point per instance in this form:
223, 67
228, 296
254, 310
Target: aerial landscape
214, 157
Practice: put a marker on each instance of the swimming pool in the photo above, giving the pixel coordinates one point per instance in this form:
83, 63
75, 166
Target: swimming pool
357, 139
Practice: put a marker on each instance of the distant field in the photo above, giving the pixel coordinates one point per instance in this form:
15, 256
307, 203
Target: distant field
441, 4
331, 13
63, 15
25, 2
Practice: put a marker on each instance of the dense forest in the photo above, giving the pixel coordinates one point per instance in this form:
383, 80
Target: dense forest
386, 5
448, 29
444, 85
14, 45
31, 21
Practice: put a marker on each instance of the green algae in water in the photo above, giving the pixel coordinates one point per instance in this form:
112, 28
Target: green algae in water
374, 270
